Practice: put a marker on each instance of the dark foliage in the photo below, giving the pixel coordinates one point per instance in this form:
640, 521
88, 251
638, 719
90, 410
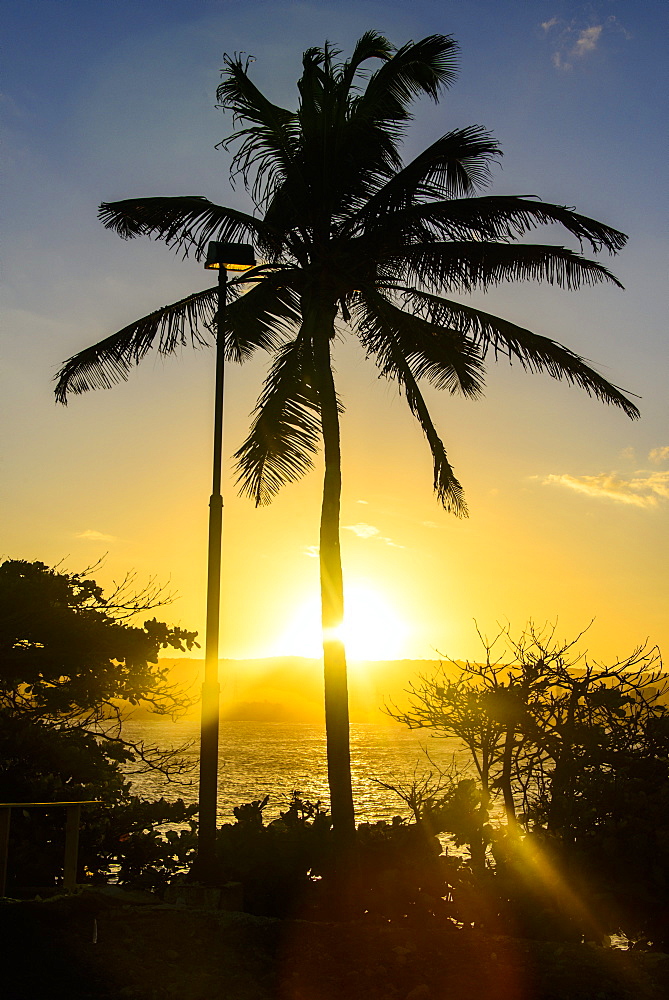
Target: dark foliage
396, 870
274, 862
71, 664
579, 751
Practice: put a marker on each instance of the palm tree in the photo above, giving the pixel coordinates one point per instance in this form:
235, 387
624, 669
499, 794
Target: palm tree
351, 235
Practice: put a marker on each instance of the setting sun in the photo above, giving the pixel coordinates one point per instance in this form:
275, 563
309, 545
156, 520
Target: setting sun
372, 628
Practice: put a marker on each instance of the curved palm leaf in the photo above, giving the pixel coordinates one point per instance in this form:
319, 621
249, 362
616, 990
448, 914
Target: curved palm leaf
502, 218
371, 45
467, 265
261, 317
441, 354
417, 68
286, 431
107, 363
395, 366
187, 223
270, 145
450, 493
534, 352
457, 163
367, 133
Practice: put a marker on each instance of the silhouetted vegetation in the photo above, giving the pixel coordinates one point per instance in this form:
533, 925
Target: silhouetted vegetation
350, 234
578, 752
71, 664
290, 866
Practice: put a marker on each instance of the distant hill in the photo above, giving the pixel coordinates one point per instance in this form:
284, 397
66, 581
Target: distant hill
290, 688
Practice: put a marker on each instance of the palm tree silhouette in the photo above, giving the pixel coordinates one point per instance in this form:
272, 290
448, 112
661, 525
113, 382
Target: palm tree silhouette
351, 235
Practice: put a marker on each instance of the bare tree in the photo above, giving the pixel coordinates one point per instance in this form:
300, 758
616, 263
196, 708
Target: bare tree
538, 712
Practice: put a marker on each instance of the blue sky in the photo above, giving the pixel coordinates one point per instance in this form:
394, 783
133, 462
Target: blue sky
105, 100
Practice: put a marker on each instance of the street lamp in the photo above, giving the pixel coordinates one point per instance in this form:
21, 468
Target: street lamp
222, 257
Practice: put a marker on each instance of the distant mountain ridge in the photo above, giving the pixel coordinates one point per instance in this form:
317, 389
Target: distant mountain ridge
290, 688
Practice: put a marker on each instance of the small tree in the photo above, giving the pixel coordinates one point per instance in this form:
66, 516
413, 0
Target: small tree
534, 713
71, 662
582, 748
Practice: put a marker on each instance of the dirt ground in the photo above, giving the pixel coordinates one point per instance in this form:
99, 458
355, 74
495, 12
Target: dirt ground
90, 946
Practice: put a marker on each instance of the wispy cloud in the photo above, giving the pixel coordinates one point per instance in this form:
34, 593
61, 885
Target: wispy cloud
573, 41
587, 40
90, 535
641, 489
312, 551
659, 455
364, 530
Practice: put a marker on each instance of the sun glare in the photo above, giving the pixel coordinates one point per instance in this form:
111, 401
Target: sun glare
372, 629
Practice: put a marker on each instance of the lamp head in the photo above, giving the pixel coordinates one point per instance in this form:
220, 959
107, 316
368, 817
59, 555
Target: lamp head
231, 256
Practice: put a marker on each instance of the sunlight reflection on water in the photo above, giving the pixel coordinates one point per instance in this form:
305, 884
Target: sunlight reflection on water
265, 758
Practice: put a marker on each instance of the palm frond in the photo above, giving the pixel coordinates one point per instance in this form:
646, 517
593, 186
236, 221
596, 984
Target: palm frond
375, 118
370, 45
534, 352
445, 356
316, 83
286, 431
238, 93
186, 223
107, 363
365, 126
456, 164
417, 68
269, 146
503, 218
263, 316
467, 265
395, 366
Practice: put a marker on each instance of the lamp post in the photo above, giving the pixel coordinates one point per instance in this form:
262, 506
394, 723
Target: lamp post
222, 257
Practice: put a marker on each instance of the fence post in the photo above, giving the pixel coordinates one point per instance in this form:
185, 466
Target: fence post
5, 814
72, 817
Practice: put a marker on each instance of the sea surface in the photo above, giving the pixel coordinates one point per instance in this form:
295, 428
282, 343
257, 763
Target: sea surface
264, 758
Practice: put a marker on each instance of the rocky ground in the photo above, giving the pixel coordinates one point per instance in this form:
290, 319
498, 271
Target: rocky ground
94, 945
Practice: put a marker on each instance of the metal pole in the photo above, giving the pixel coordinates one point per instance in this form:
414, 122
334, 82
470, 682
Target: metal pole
211, 686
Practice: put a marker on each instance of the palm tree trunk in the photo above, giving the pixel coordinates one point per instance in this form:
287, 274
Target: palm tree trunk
332, 597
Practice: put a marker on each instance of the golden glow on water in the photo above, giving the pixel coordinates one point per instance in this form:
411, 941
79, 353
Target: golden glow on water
270, 758
372, 628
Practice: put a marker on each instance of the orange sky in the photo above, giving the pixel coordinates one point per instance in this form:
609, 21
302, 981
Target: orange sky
568, 499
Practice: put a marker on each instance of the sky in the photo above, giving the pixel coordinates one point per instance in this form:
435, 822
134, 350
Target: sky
568, 499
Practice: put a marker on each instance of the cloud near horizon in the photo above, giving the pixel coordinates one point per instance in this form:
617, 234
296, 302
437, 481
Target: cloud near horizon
659, 455
90, 535
641, 489
364, 530
361, 530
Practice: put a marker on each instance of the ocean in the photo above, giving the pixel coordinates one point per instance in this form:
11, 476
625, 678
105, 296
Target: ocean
264, 758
